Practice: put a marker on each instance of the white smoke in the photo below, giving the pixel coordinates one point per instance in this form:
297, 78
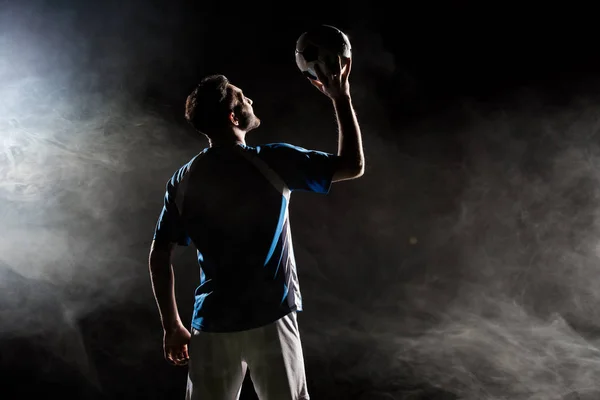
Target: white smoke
471, 274
463, 264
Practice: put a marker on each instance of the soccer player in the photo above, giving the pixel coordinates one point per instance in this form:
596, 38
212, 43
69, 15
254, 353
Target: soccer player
231, 202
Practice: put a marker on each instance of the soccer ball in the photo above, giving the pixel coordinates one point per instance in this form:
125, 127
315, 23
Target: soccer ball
321, 46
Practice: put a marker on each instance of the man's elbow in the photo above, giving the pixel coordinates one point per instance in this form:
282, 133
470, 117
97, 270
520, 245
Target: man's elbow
349, 171
360, 169
356, 172
160, 255
356, 167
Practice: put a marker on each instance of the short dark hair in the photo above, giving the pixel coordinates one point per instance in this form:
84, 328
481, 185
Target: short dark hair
207, 106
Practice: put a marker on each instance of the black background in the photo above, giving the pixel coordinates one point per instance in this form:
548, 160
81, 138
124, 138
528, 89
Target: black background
431, 83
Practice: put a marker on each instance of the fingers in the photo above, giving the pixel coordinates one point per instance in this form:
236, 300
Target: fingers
186, 355
181, 361
177, 356
169, 357
321, 75
316, 84
332, 84
178, 361
340, 67
347, 66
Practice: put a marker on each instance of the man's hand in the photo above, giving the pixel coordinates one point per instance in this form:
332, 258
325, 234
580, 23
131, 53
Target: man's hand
334, 84
175, 344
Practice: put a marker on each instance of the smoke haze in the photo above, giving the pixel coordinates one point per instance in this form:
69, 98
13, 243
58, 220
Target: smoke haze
463, 265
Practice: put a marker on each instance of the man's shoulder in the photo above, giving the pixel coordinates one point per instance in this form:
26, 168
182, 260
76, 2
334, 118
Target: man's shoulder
185, 168
278, 148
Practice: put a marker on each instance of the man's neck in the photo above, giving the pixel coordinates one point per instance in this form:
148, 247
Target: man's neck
228, 141
226, 144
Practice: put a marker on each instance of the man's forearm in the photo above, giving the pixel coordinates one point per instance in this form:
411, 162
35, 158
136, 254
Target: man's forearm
350, 149
163, 286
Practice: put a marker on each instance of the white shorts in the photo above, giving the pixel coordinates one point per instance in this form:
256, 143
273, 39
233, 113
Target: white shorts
272, 353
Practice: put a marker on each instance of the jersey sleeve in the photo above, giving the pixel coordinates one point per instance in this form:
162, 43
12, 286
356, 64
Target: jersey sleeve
169, 228
301, 169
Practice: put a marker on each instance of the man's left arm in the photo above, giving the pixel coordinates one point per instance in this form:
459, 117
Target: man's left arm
168, 233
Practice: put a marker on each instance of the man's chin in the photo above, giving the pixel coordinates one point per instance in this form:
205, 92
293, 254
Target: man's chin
255, 124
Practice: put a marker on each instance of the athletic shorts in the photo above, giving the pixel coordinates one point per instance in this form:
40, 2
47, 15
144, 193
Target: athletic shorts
272, 354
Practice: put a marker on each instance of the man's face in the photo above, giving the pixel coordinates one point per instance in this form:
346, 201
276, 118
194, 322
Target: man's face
244, 111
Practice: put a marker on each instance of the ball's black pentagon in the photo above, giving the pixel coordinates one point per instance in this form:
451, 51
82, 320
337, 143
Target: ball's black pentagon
309, 75
310, 53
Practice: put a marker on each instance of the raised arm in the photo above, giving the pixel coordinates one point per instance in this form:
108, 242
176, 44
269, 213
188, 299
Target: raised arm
336, 86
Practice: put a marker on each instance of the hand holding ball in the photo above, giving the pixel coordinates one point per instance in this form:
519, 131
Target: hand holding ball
324, 56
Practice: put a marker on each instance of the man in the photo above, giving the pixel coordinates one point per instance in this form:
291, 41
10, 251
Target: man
231, 202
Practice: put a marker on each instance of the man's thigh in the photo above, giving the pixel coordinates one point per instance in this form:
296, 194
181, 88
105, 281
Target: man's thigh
216, 368
276, 361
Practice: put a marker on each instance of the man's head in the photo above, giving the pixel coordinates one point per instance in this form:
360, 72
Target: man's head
219, 109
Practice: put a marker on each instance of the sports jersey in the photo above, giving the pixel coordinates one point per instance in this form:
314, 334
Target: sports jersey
232, 204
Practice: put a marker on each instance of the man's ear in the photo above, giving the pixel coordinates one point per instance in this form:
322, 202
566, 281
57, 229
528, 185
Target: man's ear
233, 119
